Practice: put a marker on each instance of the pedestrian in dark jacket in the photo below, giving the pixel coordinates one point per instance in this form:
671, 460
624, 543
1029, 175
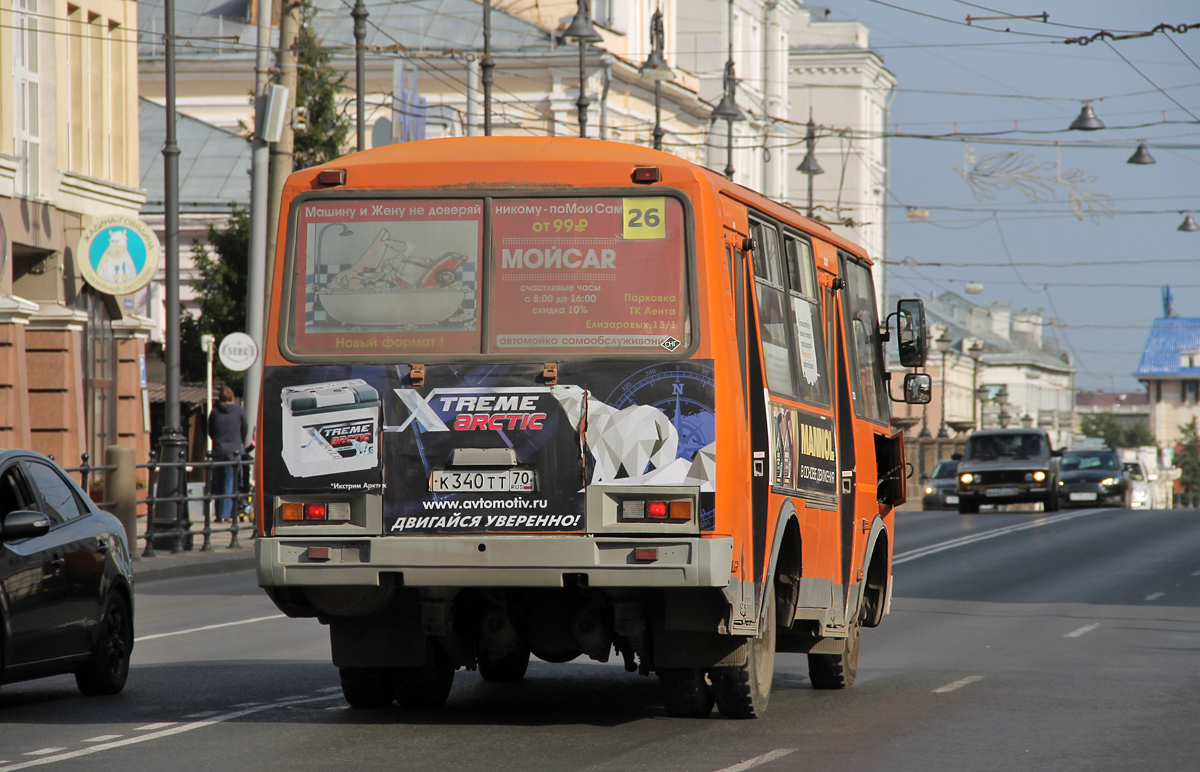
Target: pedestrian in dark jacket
227, 426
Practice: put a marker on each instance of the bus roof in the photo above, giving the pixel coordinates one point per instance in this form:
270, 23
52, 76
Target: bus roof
538, 162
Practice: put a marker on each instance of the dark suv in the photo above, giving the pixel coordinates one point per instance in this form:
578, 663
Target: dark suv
1008, 466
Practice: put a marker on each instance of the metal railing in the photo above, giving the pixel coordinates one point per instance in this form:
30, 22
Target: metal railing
168, 518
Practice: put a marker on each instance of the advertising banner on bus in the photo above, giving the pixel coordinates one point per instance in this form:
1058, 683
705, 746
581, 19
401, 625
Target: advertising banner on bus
587, 273
367, 429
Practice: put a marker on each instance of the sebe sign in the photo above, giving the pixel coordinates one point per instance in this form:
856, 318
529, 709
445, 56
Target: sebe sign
238, 351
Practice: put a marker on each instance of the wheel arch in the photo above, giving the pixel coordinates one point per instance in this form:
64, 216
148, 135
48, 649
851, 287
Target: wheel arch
785, 567
874, 592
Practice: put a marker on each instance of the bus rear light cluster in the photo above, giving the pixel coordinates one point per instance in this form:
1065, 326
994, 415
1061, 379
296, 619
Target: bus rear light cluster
294, 511
634, 509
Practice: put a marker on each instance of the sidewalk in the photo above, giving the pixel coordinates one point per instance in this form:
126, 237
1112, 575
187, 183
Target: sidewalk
221, 558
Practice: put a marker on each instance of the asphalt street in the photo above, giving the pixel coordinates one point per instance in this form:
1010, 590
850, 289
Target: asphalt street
1021, 640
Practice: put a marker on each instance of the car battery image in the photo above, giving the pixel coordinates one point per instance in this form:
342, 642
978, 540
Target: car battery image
330, 428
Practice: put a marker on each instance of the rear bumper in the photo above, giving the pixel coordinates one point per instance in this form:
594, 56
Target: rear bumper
492, 561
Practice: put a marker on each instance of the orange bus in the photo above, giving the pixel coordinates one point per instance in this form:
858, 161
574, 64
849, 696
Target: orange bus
565, 397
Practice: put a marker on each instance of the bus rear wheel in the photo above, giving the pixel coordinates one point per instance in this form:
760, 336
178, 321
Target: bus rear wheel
743, 692
424, 686
366, 687
837, 671
507, 669
685, 692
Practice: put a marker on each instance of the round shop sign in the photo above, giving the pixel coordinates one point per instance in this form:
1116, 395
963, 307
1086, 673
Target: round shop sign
117, 254
237, 351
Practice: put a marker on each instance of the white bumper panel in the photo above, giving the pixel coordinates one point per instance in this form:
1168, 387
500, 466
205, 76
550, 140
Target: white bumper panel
493, 561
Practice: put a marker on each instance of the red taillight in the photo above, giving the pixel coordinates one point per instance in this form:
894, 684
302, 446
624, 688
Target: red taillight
656, 509
316, 512
645, 553
331, 177
646, 174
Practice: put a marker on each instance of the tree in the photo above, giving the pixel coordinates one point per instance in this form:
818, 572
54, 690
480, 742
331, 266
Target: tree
222, 261
1187, 457
222, 264
1105, 426
326, 126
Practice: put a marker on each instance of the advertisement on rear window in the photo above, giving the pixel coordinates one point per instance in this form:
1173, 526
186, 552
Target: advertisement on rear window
587, 273
378, 277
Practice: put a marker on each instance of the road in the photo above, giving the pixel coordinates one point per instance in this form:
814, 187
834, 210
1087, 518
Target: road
1016, 641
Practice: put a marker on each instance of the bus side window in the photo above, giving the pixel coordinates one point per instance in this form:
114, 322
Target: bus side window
773, 316
864, 348
809, 354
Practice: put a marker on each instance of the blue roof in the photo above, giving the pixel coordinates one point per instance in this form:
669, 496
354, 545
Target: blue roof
1169, 337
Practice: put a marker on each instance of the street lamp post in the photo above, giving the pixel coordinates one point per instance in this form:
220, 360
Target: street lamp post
943, 345
581, 29
1002, 414
657, 70
360, 14
975, 351
809, 165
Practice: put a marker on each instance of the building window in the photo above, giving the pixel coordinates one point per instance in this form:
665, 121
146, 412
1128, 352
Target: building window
28, 98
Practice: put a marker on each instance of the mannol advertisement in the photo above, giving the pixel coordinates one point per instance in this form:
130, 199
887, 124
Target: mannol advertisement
367, 429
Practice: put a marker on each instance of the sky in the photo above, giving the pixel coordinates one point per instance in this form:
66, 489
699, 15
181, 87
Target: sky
1013, 87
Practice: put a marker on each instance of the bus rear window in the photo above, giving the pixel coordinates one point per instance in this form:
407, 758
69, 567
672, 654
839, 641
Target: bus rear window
391, 276
384, 278
573, 275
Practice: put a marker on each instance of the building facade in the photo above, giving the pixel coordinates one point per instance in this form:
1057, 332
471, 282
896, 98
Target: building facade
71, 356
1170, 369
992, 367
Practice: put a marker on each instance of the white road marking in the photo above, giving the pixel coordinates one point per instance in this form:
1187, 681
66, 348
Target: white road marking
1155, 595
328, 689
174, 730
759, 760
904, 557
45, 752
251, 704
208, 627
960, 683
155, 727
293, 697
103, 738
1082, 631
203, 714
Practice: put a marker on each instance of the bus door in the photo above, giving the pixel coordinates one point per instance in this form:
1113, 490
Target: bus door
844, 438
865, 411
752, 535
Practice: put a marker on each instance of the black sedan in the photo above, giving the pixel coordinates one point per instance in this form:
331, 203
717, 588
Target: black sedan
941, 488
66, 589
1093, 478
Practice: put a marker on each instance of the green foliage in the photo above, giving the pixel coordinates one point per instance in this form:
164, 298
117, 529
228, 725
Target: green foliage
222, 263
1187, 457
326, 127
1106, 427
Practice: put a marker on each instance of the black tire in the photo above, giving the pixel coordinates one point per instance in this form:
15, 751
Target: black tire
368, 688
424, 686
508, 669
743, 692
685, 692
966, 507
837, 671
107, 668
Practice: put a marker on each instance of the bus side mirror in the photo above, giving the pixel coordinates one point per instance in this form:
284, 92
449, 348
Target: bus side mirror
918, 388
911, 334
